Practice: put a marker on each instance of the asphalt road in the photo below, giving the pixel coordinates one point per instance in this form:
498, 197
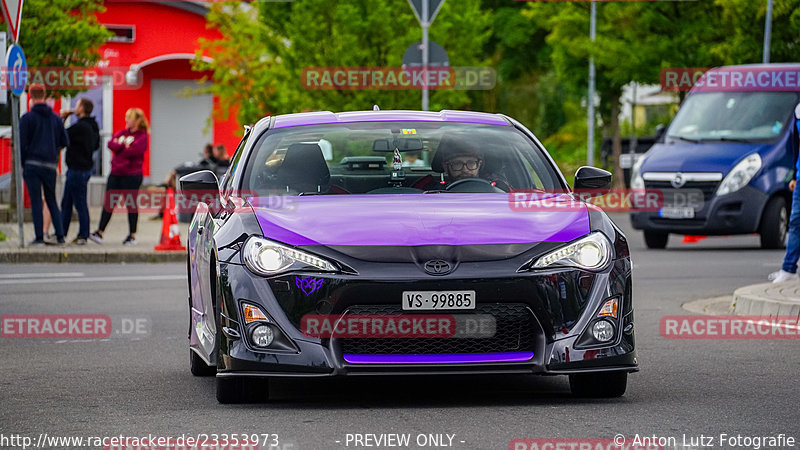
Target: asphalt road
139, 384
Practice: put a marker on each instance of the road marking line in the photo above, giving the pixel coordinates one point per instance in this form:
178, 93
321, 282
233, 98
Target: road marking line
42, 275
96, 279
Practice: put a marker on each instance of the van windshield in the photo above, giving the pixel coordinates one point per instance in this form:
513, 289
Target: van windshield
734, 116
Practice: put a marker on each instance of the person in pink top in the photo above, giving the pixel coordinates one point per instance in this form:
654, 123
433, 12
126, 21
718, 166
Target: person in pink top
128, 147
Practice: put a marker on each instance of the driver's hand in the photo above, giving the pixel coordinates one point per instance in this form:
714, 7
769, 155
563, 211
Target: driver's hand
792, 184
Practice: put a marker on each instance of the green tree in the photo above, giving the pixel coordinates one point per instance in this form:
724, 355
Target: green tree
744, 21
258, 63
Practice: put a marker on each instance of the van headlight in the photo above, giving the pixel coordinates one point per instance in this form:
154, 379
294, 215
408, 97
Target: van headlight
592, 252
741, 174
637, 182
265, 257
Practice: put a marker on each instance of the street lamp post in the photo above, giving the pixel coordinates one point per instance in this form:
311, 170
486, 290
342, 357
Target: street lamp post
590, 98
767, 32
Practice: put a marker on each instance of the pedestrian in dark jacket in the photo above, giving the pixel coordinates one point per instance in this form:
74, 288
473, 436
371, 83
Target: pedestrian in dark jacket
128, 146
84, 140
42, 136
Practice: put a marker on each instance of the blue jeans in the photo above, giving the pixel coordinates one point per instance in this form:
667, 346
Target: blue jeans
793, 241
75, 194
38, 179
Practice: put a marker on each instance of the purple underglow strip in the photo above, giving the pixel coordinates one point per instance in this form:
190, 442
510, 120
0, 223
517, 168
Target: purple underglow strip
455, 358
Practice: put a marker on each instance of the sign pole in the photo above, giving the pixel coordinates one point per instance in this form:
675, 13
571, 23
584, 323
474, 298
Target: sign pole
425, 56
17, 167
767, 32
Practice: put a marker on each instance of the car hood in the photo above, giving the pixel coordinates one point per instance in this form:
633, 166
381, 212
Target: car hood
702, 157
415, 219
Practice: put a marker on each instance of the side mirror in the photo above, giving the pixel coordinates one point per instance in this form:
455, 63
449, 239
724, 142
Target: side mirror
597, 181
797, 112
660, 131
196, 187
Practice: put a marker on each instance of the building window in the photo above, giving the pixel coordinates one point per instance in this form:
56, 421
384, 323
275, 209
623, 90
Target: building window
122, 33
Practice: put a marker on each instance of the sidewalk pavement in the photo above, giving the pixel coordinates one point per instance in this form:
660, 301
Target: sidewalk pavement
111, 251
768, 299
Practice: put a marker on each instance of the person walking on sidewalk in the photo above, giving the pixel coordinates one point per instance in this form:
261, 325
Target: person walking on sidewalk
84, 140
42, 136
789, 269
128, 146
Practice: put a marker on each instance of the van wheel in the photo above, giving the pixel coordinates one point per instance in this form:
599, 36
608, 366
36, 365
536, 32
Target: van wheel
598, 385
655, 239
774, 224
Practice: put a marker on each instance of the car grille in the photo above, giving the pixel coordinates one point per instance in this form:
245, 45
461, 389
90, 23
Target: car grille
707, 187
516, 330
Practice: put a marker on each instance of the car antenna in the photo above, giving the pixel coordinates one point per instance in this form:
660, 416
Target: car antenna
376, 108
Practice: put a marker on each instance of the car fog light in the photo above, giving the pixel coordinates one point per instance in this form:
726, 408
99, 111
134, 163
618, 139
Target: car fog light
603, 331
262, 336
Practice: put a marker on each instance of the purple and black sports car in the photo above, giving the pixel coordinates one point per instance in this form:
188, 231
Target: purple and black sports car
404, 242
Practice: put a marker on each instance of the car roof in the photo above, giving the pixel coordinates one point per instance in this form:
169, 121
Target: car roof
327, 117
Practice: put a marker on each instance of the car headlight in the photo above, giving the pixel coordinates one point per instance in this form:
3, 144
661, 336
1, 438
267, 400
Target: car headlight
741, 174
265, 257
592, 252
637, 182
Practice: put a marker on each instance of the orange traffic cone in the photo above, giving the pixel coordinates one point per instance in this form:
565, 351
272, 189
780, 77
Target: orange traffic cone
170, 230
690, 239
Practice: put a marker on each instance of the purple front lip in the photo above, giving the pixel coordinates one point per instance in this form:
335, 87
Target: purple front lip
413, 219
456, 358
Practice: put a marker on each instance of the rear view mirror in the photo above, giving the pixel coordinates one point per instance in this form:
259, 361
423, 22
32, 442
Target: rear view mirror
401, 144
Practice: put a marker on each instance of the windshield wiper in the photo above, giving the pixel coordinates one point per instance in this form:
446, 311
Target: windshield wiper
727, 139
693, 141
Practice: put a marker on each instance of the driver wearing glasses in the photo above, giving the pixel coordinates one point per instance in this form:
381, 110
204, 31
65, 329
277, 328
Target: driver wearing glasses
463, 164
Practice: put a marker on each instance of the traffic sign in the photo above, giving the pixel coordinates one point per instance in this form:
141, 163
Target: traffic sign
17, 67
433, 9
12, 10
436, 58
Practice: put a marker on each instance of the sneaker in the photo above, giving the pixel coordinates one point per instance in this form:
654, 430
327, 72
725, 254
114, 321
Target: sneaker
129, 241
95, 236
61, 242
36, 243
782, 275
78, 241
50, 240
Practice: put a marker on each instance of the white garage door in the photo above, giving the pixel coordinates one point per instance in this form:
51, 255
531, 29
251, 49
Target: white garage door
179, 126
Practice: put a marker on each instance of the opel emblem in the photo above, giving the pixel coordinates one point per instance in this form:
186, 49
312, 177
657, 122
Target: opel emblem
438, 267
678, 181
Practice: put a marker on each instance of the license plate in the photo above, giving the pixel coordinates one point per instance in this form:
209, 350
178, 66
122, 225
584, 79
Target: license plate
435, 300
668, 212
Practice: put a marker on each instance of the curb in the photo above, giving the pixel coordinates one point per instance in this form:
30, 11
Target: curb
767, 299
22, 256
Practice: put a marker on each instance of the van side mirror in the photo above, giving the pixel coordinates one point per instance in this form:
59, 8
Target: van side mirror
797, 112
597, 181
660, 131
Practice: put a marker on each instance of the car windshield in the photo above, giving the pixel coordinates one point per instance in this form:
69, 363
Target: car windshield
362, 158
733, 116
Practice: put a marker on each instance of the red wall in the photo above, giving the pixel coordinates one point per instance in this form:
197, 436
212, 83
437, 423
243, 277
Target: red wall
160, 30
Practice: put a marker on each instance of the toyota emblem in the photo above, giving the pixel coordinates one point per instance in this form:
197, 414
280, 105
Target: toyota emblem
438, 267
678, 181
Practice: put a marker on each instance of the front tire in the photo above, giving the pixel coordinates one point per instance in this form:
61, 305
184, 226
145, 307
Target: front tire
598, 384
232, 390
774, 224
199, 367
655, 239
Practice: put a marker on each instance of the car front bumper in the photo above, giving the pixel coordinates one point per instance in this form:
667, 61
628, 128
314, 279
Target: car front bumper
558, 306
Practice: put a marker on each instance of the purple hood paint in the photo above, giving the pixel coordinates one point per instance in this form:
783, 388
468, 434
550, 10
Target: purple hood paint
414, 219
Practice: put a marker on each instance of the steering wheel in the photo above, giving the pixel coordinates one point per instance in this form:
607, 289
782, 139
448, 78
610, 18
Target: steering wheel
481, 185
